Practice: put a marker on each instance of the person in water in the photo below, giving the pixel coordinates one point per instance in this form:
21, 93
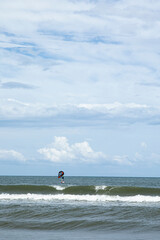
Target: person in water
62, 181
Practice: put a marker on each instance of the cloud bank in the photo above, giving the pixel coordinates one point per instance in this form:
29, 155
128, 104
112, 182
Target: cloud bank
11, 155
61, 151
14, 112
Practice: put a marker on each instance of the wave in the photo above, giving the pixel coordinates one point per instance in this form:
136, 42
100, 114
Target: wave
80, 190
80, 198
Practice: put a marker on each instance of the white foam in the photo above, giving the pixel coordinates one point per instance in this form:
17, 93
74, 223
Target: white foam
86, 198
100, 187
59, 188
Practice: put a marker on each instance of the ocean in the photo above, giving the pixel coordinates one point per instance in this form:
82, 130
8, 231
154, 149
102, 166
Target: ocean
111, 208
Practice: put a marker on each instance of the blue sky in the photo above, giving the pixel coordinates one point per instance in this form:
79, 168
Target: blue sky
79, 87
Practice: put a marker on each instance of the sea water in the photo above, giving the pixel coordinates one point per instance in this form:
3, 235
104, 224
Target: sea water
81, 208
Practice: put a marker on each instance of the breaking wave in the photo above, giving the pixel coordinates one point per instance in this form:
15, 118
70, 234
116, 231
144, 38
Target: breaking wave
79, 193
80, 190
86, 198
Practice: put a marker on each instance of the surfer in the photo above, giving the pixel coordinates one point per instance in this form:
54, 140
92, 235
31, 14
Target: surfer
61, 175
62, 181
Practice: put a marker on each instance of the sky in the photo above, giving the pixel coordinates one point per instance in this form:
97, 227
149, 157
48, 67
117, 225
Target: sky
80, 87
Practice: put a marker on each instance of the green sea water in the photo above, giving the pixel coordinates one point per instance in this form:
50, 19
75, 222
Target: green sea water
81, 208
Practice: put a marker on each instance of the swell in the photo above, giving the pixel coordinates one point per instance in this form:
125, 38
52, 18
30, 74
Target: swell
80, 190
22, 189
43, 217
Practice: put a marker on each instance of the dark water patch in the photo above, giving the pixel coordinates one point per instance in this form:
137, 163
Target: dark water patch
22, 189
80, 190
130, 191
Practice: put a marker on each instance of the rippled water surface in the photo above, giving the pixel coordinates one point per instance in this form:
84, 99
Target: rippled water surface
81, 208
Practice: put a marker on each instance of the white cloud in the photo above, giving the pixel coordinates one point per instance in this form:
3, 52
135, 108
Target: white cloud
122, 160
82, 114
109, 47
11, 155
61, 151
